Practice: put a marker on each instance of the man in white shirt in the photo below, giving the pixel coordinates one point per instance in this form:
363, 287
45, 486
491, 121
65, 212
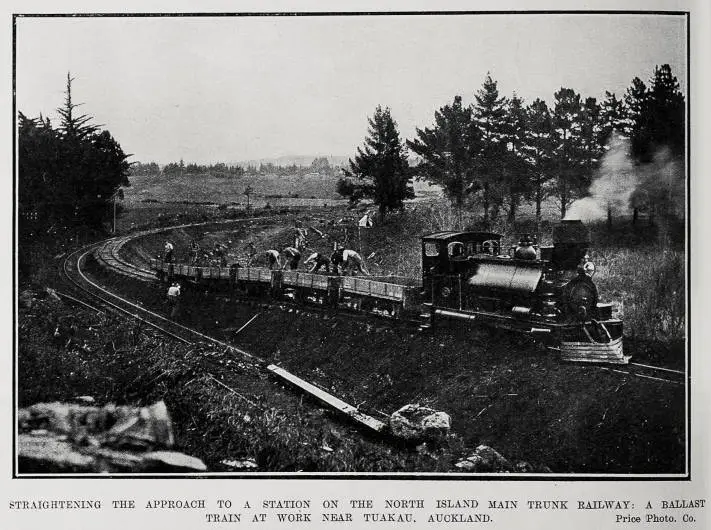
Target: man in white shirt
348, 260
168, 254
174, 298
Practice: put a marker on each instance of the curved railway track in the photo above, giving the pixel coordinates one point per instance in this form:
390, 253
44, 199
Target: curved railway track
72, 274
81, 283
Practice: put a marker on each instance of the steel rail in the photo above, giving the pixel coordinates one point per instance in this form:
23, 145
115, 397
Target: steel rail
658, 368
80, 302
155, 316
103, 299
643, 376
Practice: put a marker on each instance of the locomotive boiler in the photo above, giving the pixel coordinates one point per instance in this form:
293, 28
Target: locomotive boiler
545, 291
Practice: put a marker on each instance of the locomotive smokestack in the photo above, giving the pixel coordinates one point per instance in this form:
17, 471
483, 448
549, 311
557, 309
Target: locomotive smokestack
571, 240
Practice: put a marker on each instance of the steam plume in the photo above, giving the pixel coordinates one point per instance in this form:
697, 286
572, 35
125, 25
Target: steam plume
657, 188
613, 186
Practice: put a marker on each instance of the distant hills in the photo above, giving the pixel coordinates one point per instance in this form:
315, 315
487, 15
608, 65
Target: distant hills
305, 160
288, 160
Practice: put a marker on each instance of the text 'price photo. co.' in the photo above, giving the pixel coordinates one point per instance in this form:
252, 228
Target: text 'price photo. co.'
424, 245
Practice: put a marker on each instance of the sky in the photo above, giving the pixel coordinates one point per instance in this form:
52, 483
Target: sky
225, 89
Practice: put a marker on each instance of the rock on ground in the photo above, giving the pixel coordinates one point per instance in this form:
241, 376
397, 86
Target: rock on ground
417, 423
71, 438
485, 459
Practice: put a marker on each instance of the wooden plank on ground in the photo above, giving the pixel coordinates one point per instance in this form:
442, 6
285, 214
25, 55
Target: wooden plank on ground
328, 399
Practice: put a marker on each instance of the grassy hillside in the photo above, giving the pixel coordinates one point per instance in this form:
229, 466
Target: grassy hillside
209, 188
312, 189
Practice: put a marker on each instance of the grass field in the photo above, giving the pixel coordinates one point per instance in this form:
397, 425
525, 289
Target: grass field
221, 190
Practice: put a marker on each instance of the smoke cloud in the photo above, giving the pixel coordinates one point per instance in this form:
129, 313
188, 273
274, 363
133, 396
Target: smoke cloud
613, 186
657, 189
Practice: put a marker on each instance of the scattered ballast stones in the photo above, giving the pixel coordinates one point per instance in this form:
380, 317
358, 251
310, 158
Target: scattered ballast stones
415, 423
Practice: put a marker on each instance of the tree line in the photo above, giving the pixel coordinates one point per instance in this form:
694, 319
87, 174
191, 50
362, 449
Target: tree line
68, 174
319, 165
501, 151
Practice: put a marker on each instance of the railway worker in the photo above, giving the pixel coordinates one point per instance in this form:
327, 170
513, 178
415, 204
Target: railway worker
337, 258
168, 252
354, 262
586, 267
194, 252
291, 256
272, 258
221, 254
318, 260
174, 299
300, 242
251, 252
349, 261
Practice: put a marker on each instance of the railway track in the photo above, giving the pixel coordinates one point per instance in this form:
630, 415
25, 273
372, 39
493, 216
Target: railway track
108, 256
75, 277
654, 373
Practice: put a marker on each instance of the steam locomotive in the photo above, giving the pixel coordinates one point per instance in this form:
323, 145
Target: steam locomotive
546, 291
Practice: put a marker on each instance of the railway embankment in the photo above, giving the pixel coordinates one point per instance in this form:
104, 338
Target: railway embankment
225, 410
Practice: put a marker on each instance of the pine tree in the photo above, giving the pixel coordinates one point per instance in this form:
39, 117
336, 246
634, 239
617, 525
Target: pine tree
612, 116
636, 123
666, 111
447, 152
539, 152
39, 192
72, 127
380, 170
75, 170
515, 168
490, 117
568, 116
590, 142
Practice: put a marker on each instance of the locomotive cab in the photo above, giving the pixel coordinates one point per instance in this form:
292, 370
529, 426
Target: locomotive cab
450, 253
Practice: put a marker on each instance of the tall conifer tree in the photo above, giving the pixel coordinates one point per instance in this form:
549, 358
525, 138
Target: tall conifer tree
448, 151
489, 114
380, 169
